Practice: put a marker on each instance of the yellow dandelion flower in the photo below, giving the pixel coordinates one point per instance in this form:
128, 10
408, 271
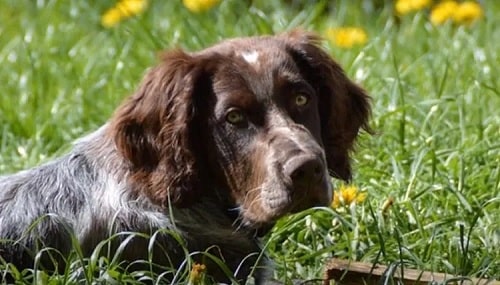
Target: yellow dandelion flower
347, 37
111, 18
347, 195
406, 6
467, 12
196, 274
403, 7
443, 12
198, 6
131, 7
122, 10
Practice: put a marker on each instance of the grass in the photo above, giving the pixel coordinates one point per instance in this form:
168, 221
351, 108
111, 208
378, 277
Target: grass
436, 96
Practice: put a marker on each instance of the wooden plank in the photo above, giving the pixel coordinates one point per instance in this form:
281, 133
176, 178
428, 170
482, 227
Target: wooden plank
346, 272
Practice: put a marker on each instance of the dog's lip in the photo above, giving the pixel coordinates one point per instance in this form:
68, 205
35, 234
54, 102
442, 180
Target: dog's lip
299, 201
261, 228
303, 199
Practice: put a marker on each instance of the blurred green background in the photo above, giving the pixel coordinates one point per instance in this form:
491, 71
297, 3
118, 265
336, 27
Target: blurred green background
435, 89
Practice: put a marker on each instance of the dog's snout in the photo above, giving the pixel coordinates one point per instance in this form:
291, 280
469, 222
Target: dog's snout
304, 170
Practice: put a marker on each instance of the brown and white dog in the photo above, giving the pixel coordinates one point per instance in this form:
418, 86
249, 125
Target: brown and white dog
215, 146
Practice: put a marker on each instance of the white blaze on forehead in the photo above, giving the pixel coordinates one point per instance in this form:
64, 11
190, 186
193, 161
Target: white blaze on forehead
250, 56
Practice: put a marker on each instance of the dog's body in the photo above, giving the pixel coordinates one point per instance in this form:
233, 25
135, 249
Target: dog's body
85, 194
214, 147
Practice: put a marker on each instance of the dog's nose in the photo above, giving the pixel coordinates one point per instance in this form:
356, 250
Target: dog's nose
304, 170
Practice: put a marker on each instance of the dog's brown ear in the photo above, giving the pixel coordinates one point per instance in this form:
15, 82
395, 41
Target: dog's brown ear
153, 130
344, 107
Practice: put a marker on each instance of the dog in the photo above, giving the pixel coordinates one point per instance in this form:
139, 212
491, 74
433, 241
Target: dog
214, 146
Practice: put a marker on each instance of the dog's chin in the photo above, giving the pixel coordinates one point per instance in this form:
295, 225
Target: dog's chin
258, 228
260, 223
278, 200
261, 219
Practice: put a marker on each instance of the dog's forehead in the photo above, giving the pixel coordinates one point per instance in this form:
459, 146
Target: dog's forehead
254, 77
263, 55
261, 63
252, 72
256, 53
260, 56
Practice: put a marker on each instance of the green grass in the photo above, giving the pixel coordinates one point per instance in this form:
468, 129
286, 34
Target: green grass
436, 102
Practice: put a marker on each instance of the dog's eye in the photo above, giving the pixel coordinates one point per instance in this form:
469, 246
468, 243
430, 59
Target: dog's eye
235, 117
301, 100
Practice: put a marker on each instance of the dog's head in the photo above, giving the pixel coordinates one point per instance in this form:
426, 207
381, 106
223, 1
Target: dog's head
258, 122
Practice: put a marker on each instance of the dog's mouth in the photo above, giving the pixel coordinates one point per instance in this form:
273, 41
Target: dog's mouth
253, 227
279, 201
290, 182
282, 198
